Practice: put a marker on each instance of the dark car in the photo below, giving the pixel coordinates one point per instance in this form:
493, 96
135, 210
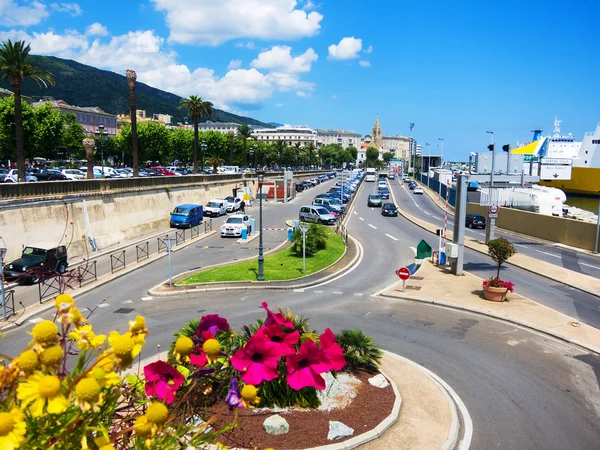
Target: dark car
389, 209
374, 200
48, 175
475, 221
300, 186
412, 185
35, 261
384, 193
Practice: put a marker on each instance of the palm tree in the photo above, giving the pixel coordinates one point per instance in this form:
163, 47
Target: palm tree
310, 152
14, 65
131, 77
197, 108
245, 132
215, 162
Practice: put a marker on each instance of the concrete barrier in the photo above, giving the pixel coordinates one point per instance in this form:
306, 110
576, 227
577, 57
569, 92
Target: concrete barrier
569, 232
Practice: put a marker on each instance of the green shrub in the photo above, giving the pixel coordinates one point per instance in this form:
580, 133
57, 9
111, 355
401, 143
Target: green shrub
359, 350
316, 239
500, 250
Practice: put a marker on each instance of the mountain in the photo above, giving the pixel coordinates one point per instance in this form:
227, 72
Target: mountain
274, 124
82, 85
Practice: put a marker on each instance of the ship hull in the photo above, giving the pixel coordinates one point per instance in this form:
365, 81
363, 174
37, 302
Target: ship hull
584, 181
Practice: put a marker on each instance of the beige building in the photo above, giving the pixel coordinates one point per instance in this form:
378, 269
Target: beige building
342, 137
290, 134
398, 145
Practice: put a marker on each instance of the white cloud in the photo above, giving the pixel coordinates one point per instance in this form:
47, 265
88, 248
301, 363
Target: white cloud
96, 29
13, 15
234, 64
210, 22
364, 63
334, 97
71, 8
369, 49
348, 48
301, 94
279, 58
308, 5
279, 105
248, 45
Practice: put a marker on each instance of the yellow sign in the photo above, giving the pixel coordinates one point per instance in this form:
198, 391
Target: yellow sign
246, 197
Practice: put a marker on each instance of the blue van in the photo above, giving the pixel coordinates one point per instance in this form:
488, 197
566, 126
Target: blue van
186, 216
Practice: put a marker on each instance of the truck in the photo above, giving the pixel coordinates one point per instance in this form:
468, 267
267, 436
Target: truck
371, 174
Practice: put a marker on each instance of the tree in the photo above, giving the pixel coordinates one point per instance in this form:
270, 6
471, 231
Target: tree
196, 108
8, 144
245, 132
500, 250
387, 157
215, 162
372, 155
231, 135
73, 136
181, 145
49, 127
131, 77
154, 142
14, 66
354, 152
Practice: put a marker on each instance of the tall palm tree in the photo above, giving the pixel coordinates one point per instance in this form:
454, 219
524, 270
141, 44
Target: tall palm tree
197, 108
131, 77
310, 152
14, 65
245, 132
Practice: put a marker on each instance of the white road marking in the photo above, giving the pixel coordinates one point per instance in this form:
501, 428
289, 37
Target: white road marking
36, 320
358, 294
318, 292
373, 226
147, 299
127, 302
338, 292
549, 254
520, 245
391, 237
589, 265
298, 290
103, 305
355, 212
361, 219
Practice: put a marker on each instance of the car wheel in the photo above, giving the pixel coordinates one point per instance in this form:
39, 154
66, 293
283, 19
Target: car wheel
62, 268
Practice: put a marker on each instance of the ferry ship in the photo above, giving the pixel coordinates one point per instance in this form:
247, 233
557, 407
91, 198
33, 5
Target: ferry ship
585, 156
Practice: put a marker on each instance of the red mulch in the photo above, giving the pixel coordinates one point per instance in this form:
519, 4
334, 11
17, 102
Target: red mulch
309, 428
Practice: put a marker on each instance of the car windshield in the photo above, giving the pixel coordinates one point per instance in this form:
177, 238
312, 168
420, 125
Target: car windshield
234, 220
389, 206
34, 251
182, 212
322, 211
374, 197
213, 205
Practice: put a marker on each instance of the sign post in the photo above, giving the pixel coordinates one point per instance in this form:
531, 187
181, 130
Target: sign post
2, 293
304, 229
556, 169
490, 228
403, 274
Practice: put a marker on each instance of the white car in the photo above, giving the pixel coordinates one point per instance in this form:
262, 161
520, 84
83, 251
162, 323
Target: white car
122, 173
11, 177
233, 204
234, 225
418, 190
216, 207
73, 174
382, 184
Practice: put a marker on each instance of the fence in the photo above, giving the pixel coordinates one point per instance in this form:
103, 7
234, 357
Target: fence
117, 261
9, 302
54, 284
141, 251
438, 187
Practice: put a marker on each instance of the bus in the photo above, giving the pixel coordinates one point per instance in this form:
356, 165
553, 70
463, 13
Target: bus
371, 174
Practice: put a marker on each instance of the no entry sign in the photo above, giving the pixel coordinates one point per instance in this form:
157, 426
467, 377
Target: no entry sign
493, 210
404, 273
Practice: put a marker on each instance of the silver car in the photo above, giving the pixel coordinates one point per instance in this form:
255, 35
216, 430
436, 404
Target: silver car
316, 214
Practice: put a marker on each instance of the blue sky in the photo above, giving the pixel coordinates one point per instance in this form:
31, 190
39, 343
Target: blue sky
455, 69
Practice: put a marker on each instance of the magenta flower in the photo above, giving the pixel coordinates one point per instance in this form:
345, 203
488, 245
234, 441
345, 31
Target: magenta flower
304, 368
332, 350
234, 399
285, 342
212, 323
162, 380
257, 360
199, 358
276, 318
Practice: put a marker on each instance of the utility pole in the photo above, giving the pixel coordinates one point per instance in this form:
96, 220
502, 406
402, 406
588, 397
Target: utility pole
491, 221
411, 150
460, 217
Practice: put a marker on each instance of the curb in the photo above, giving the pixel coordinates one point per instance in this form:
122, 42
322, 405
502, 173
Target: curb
494, 316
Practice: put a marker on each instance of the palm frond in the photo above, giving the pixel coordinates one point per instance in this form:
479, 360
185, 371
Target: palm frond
359, 350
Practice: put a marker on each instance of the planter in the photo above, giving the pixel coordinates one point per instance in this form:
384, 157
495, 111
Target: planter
495, 294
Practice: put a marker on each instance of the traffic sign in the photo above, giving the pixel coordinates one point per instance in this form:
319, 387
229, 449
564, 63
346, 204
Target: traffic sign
404, 273
493, 210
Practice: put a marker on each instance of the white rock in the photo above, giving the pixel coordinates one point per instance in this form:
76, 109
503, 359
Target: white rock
338, 430
276, 425
379, 381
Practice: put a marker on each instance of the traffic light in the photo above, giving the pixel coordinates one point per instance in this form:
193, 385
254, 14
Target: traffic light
506, 148
491, 147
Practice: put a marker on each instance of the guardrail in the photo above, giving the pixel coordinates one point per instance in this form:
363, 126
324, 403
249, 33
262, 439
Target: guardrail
77, 187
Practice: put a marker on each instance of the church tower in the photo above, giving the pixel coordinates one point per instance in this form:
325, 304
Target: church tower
377, 139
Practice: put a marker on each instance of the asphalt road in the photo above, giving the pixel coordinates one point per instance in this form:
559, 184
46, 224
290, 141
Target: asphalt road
523, 390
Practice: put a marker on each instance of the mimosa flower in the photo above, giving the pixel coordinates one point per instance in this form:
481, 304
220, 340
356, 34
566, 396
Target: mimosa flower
125, 347
86, 338
52, 357
12, 429
28, 361
87, 393
45, 333
304, 369
63, 303
41, 390
162, 380
138, 326
257, 360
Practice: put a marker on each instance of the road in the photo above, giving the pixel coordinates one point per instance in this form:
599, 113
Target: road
522, 389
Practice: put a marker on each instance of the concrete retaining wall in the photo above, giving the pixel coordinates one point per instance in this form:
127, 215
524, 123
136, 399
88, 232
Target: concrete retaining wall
570, 232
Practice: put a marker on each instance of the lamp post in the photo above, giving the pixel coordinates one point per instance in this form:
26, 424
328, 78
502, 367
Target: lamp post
428, 145
442, 159
102, 134
410, 149
260, 175
493, 160
304, 229
2, 293
203, 147
278, 157
255, 146
251, 151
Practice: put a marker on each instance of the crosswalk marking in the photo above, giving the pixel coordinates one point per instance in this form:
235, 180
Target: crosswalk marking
298, 290
337, 292
147, 299
36, 320
103, 305
318, 292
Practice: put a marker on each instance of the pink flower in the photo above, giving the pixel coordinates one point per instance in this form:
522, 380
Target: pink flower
285, 342
212, 323
162, 380
304, 369
276, 318
198, 359
257, 360
332, 350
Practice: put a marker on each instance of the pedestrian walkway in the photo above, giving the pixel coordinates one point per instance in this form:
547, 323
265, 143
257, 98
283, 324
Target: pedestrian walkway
438, 286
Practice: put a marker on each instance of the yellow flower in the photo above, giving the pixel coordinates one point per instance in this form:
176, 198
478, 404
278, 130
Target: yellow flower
123, 347
249, 395
138, 326
12, 429
51, 357
103, 443
86, 338
45, 333
7, 375
157, 413
212, 348
143, 428
88, 394
74, 316
105, 379
183, 347
40, 390
28, 361
63, 303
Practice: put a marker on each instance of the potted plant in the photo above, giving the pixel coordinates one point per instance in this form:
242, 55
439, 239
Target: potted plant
495, 289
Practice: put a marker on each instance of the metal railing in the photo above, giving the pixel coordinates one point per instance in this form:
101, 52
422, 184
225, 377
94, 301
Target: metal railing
194, 231
179, 236
9, 302
87, 272
50, 285
207, 225
117, 261
142, 251
162, 244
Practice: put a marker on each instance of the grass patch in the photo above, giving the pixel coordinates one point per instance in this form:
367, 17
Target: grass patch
278, 266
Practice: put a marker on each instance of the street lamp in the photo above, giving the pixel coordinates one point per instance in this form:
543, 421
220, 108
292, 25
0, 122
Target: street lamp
260, 175
410, 149
251, 151
102, 133
203, 147
278, 164
255, 155
304, 229
442, 160
428, 145
491, 147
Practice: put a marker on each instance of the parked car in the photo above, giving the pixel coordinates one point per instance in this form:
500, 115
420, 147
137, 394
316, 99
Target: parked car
233, 203
97, 173
11, 176
3, 173
74, 174
374, 200
316, 214
216, 207
389, 209
334, 212
123, 173
329, 202
186, 216
418, 190
475, 221
37, 260
48, 175
234, 225
163, 171
300, 186
107, 172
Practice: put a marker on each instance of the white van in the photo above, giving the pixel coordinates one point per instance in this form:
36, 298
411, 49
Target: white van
107, 171
216, 207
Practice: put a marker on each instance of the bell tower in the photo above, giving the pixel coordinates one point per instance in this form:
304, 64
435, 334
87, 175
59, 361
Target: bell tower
377, 139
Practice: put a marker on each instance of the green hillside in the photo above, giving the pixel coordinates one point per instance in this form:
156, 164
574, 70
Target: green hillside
81, 85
